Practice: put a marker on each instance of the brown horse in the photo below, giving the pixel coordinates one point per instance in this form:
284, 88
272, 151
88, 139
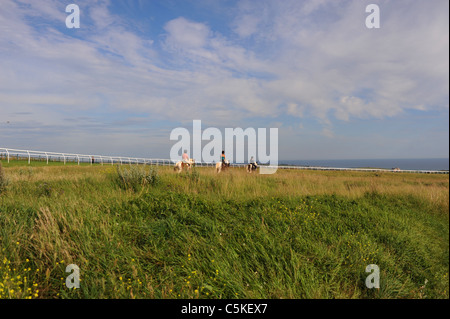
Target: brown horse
250, 168
180, 165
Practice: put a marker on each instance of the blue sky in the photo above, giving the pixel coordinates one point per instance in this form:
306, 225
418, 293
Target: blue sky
137, 69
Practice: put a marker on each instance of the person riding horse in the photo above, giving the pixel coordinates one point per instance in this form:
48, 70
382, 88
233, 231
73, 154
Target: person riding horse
252, 166
225, 163
253, 162
185, 162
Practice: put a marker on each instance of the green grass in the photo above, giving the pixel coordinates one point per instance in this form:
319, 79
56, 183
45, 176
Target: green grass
42, 163
294, 234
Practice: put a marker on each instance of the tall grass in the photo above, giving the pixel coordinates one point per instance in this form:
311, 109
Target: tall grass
141, 232
4, 181
135, 177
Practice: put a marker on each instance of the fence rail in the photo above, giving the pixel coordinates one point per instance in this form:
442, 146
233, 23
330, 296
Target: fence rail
10, 153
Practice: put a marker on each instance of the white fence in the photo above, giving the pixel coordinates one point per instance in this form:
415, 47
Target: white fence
320, 168
9, 153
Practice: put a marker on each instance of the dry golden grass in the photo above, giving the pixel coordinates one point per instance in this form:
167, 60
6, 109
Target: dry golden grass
236, 182
431, 188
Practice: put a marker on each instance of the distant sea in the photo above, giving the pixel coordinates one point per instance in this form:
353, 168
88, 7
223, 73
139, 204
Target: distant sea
432, 164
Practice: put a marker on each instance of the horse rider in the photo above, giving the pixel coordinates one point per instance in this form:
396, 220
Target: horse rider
222, 158
185, 158
253, 162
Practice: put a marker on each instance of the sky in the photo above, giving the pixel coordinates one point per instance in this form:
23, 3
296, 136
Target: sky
135, 70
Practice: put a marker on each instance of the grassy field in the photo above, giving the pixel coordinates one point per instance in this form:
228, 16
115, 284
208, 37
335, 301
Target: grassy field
151, 233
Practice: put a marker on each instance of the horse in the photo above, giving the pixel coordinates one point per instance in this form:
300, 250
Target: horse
181, 164
219, 165
250, 168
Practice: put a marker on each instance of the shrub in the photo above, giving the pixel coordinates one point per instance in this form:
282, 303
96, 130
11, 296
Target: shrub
136, 177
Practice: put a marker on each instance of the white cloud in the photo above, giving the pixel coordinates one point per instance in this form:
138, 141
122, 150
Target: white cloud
186, 34
332, 59
290, 58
